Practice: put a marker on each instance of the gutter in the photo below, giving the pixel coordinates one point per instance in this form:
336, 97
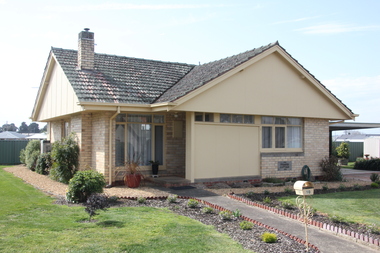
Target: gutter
110, 148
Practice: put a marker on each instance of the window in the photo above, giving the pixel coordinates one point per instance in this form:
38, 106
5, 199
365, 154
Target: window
139, 135
204, 117
237, 119
281, 132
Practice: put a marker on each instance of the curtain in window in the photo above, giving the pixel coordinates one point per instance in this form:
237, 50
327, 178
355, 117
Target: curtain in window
140, 142
267, 137
280, 137
294, 137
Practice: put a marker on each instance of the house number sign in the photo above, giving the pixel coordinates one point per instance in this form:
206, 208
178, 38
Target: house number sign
284, 165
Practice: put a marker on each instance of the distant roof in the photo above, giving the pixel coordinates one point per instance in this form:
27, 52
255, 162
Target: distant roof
11, 135
352, 126
38, 136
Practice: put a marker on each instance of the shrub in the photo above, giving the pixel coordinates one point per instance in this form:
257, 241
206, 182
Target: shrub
22, 156
287, 204
337, 219
374, 185
225, 215
374, 177
83, 184
32, 151
141, 200
250, 194
371, 164
65, 156
96, 202
236, 213
287, 190
357, 187
342, 187
43, 163
266, 192
267, 200
374, 229
330, 169
325, 187
245, 225
207, 209
269, 237
192, 203
343, 150
172, 198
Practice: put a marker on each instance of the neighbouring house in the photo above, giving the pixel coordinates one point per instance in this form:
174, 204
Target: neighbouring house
10, 135
249, 116
361, 145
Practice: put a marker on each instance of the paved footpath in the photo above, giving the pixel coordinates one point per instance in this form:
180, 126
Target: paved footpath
326, 241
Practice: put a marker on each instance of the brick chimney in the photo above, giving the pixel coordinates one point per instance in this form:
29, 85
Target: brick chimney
86, 52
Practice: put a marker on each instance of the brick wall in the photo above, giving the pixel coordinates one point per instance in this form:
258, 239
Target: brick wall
316, 146
100, 136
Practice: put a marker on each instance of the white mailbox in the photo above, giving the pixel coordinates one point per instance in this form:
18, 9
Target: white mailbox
304, 188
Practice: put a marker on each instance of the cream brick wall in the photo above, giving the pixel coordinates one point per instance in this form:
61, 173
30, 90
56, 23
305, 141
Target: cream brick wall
100, 137
316, 147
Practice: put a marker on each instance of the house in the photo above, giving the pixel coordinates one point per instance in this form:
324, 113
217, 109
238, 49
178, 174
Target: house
249, 116
360, 145
10, 135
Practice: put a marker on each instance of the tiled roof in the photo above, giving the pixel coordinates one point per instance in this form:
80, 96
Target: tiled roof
204, 73
117, 79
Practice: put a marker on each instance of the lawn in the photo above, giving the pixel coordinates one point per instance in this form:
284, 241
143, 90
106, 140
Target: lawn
29, 222
354, 206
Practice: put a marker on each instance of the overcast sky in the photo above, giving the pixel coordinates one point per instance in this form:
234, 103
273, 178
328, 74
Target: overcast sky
337, 41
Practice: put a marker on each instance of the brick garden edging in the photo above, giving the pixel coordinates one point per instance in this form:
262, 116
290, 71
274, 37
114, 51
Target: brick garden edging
219, 208
312, 222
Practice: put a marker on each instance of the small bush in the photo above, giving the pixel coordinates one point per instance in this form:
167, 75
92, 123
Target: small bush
357, 187
267, 200
113, 199
374, 177
22, 156
236, 213
172, 198
337, 219
192, 203
374, 185
207, 209
32, 151
43, 164
96, 202
371, 164
266, 192
374, 229
83, 184
245, 225
325, 187
287, 204
269, 237
287, 190
141, 200
343, 150
331, 171
342, 187
225, 215
250, 194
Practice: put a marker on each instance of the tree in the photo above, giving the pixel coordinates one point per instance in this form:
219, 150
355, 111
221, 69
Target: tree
44, 129
10, 127
23, 128
34, 128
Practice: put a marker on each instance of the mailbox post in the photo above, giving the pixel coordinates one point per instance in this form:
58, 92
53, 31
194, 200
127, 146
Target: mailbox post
303, 189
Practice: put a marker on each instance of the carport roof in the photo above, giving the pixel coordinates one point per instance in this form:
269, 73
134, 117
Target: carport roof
352, 126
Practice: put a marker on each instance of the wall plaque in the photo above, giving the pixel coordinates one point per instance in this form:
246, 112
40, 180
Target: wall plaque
284, 165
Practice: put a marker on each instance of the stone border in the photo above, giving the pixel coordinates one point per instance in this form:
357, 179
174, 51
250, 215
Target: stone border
220, 208
322, 225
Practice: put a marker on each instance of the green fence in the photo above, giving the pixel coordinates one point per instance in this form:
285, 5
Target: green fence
356, 149
10, 151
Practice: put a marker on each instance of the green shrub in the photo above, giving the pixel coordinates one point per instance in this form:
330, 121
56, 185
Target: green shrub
245, 225
192, 203
287, 204
267, 200
371, 164
331, 169
207, 209
269, 237
287, 190
374, 185
22, 156
342, 187
65, 156
236, 213
250, 194
83, 184
337, 219
172, 198
96, 202
43, 163
225, 215
266, 192
374, 177
325, 187
343, 150
32, 151
357, 187
141, 200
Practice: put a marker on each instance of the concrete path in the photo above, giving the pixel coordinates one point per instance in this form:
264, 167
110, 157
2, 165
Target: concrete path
362, 175
326, 241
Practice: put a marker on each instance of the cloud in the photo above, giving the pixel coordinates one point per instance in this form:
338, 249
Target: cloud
336, 28
295, 20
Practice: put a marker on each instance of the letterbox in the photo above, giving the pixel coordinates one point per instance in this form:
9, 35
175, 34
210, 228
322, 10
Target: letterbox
304, 188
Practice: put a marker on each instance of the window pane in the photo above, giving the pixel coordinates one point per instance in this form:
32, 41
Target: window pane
225, 118
158, 118
280, 137
158, 144
266, 120
248, 119
139, 118
121, 117
280, 121
209, 117
294, 121
237, 118
267, 137
199, 116
294, 137
140, 142
119, 145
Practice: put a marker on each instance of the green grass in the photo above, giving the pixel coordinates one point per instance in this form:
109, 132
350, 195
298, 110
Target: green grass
354, 206
29, 222
350, 165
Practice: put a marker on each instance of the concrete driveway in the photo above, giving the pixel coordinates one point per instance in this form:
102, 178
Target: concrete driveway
362, 175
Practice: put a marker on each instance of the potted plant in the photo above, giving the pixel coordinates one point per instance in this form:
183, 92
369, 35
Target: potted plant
343, 153
155, 165
133, 175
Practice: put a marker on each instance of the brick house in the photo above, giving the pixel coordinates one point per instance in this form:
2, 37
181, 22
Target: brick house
249, 116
